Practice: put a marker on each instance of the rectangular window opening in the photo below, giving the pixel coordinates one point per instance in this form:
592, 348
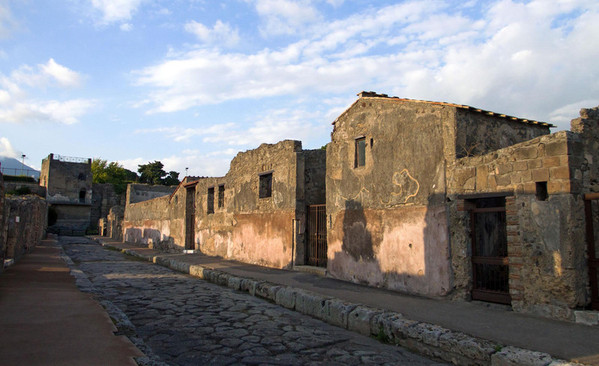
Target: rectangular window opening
221, 196
360, 155
541, 191
265, 189
210, 200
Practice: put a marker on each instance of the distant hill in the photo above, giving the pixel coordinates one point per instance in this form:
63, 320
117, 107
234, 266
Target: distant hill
11, 166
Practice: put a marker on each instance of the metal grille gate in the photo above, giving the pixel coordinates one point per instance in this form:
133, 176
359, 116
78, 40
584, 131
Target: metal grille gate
490, 270
591, 206
316, 250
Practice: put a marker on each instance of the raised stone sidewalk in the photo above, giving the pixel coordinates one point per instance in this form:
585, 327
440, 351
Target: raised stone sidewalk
458, 332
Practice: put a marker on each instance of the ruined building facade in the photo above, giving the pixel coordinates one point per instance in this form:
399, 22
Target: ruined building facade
433, 199
68, 183
256, 213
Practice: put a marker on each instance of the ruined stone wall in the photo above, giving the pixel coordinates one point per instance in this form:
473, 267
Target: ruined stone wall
249, 228
314, 176
3, 223
479, 133
34, 188
386, 220
545, 221
587, 125
103, 199
26, 224
114, 223
157, 223
242, 225
143, 192
71, 219
66, 182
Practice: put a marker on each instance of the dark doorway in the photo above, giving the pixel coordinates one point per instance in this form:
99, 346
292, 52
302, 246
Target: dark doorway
591, 203
190, 218
490, 269
316, 251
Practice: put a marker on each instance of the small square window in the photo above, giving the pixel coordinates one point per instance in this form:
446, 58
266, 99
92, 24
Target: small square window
360, 155
221, 196
265, 189
210, 200
541, 191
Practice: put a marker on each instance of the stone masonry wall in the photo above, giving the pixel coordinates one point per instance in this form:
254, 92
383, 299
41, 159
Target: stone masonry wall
26, 226
545, 221
103, 199
3, 223
143, 192
114, 223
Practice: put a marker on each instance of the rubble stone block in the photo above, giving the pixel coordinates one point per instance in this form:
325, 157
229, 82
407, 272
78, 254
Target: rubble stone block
310, 303
513, 356
336, 312
267, 291
561, 172
359, 319
197, 271
471, 348
587, 317
286, 297
556, 148
234, 283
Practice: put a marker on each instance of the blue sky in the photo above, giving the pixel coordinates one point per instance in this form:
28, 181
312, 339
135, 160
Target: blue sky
191, 83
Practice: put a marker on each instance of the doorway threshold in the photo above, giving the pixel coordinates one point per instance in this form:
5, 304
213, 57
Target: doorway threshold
320, 271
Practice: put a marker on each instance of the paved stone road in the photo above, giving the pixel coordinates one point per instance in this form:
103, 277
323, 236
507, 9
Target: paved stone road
180, 320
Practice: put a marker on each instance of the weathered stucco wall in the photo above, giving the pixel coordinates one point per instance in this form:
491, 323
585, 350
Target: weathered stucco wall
241, 225
387, 222
249, 228
158, 223
545, 233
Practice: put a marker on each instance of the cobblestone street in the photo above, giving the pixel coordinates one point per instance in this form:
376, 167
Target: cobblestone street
180, 320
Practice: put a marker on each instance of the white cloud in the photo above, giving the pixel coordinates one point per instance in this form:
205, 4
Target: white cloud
7, 22
199, 164
6, 148
18, 106
286, 16
220, 34
275, 126
126, 27
526, 59
116, 10
63, 75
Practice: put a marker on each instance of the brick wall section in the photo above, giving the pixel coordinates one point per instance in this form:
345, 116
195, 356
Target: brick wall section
518, 168
545, 234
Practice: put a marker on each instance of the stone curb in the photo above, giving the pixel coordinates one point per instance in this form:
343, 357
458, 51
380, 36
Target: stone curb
390, 327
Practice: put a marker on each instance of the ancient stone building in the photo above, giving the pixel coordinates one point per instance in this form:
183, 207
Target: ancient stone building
68, 183
446, 200
256, 213
433, 199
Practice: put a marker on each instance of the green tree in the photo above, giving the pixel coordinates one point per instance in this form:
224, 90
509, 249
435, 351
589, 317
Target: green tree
114, 173
153, 173
172, 179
